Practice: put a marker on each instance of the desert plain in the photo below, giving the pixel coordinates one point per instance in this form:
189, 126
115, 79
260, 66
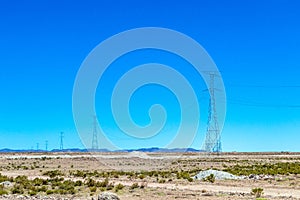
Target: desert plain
147, 176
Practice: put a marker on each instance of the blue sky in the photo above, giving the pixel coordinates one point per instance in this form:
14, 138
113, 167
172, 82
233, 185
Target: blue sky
255, 45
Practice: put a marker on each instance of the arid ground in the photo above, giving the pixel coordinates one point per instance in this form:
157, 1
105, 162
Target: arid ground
148, 176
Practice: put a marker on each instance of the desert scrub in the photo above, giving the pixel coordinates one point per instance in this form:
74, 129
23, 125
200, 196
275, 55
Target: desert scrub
211, 178
32, 192
184, 175
39, 182
53, 173
55, 181
104, 183
22, 181
285, 168
17, 189
118, 187
78, 183
258, 192
190, 179
78, 173
134, 185
48, 192
93, 189
3, 192
141, 176
161, 181
90, 182
4, 178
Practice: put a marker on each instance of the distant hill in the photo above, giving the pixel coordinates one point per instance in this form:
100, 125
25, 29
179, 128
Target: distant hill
152, 149
156, 149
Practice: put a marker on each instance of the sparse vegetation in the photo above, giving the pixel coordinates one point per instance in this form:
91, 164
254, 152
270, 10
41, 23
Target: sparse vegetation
53, 173
118, 187
75, 177
284, 168
134, 186
211, 178
3, 192
258, 192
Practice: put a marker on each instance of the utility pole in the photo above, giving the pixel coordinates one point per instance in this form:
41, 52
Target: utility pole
61, 146
212, 140
95, 135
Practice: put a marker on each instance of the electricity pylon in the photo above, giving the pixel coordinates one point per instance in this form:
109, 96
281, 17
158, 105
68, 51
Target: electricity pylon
212, 141
95, 137
61, 146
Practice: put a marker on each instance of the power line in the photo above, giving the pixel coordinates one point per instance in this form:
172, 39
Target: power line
260, 104
263, 105
263, 86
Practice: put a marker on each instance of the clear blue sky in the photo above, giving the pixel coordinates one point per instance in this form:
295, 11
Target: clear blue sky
255, 44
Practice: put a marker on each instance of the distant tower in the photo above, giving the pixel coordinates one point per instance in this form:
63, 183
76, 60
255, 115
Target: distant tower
37, 146
61, 146
95, 138
46, 145
212, 141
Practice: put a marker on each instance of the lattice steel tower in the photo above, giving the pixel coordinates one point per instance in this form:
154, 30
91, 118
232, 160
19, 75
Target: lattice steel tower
212, 141
46, 145
95, 137
61, 145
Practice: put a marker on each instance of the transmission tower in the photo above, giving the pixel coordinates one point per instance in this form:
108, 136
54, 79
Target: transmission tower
212, 141
95, 138
46, 145
61, 146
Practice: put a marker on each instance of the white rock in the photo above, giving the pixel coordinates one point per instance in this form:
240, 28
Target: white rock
108, 196
219, 175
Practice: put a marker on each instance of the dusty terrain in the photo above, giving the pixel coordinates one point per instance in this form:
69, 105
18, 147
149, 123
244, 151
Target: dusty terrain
148, 176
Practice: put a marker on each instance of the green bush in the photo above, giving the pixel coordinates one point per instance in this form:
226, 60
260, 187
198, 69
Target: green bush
162, 181
211, 178
103, 183
258, 192
48, 192
32, 193
134, 185
78, 183
39, 182
53, 173
141, 176
93, 189
17, 189
190, 179
118, 187
3, 178
91, 183
283, 168
3, 192
21, 179
79, 173
110, 186
42, 189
